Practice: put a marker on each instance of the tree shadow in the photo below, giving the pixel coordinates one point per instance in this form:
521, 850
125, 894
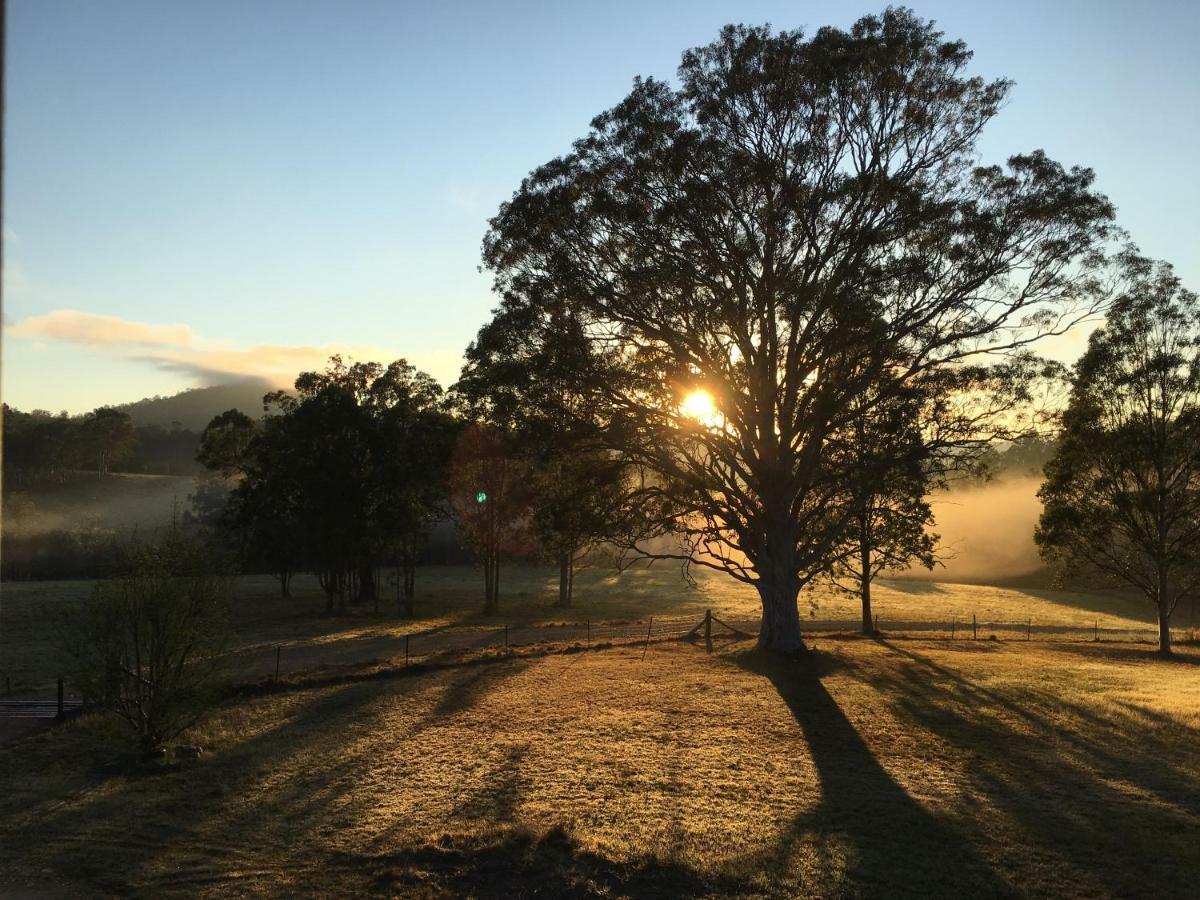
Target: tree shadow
895, 847
1147, 654
1109, 795
522, 863
469, 690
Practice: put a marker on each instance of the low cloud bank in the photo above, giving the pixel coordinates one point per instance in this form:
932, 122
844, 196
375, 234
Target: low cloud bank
176, 348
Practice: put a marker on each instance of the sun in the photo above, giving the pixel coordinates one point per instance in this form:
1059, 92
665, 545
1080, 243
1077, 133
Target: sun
698, 405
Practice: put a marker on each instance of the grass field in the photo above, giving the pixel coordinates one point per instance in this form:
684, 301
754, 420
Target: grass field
451, 597
890, 768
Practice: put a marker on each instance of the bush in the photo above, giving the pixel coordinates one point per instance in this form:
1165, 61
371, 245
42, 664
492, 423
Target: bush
149, 644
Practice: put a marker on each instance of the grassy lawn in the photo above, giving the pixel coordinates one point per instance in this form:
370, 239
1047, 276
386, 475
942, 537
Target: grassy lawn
452, 597
910, 767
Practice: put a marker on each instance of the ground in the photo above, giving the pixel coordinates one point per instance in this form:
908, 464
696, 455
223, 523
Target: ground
885, 768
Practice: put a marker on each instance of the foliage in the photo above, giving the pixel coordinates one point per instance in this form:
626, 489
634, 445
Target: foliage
521, 380
800, 223
1122, 492
148, 645
346, 475
490, 500
891, 518
224, 442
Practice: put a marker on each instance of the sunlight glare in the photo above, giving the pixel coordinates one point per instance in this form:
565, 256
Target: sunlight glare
698, 405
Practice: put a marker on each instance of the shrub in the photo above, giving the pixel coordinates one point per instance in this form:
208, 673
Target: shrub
148, 645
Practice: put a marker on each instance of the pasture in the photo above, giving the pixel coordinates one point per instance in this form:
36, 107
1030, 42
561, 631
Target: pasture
893, 767
449, 598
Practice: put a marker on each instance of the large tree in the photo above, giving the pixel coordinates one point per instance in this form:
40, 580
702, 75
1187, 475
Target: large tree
801, 222
1122, 491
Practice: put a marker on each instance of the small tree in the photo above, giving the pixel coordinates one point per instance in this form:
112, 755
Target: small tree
489, 499
520, 377
1122, 492
887, 526
577, 501
148, 646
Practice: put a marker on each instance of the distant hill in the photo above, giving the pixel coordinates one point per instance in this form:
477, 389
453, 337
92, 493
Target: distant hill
193, 409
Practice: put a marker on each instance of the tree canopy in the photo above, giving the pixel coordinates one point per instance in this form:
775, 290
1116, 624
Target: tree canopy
1122, 491
801, 222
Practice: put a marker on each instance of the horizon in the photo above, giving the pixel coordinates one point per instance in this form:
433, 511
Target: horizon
177, 217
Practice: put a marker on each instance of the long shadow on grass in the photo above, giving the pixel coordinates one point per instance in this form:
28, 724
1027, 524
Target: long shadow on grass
894, 846
1106, 797
521, 863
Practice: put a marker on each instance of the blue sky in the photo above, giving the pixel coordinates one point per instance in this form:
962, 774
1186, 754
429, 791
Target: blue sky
243, 186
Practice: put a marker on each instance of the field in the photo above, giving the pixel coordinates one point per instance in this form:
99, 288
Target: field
910, 765
905, 767
450, 598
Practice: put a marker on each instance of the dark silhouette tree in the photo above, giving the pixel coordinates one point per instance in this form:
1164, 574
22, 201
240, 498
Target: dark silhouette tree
799, 223
489, 498
224, 442
108, 437
413, 436
1122, 491
890, 520
519, 378
344, 476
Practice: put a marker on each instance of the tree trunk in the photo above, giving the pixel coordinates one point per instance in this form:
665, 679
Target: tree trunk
1163, 603
410, 590
778, 589
864, 550
1164, 627
564, 579
780, 629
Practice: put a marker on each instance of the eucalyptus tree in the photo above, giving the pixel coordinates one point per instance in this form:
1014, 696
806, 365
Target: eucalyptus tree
1122, 491
800, 222
522, 379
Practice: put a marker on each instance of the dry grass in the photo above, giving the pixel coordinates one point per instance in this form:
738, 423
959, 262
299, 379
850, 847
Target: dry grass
912, 767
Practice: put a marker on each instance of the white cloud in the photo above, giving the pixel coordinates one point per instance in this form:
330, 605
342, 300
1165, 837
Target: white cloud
176, 348
75, 327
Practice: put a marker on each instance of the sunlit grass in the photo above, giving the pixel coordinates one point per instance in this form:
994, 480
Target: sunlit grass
451, 597
884, 768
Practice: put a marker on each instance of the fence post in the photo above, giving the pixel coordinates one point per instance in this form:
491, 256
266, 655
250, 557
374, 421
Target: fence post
406, 651
974, 628
708, 631
59, 717
1028, 628
505, 637
877, 623
953, 627
1097, 637
277, 649
647, 647
589, 632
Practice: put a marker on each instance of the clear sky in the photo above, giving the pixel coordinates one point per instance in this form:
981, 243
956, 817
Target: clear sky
195, 190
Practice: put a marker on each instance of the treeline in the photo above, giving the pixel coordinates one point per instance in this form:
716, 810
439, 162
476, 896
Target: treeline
41, 448
347, 477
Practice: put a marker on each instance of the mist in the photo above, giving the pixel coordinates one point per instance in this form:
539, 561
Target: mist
986, 532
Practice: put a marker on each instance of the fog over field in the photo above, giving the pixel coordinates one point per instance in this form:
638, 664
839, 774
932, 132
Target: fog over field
987, 531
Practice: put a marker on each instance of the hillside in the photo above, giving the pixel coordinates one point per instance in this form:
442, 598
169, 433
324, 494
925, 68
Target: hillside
193, 409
